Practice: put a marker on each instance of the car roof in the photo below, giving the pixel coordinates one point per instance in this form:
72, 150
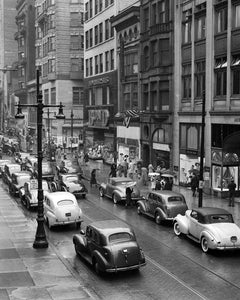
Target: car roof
166, 193
121, 179
21, 173
56, 196
108, 227
205, 211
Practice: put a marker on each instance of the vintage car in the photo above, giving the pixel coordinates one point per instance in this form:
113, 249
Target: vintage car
8, 170
70, 183
47, 170
115, 188
109, 246
17, 181
211, 227
20, 157
61, 208
162, 205
29, 192
28, 162
67, 167
3, 162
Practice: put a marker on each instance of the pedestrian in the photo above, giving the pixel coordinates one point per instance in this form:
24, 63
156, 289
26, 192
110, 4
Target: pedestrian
113, 172
158, 185
231, 188
128, 196
93, 178
125, 166
194, 184
86, 158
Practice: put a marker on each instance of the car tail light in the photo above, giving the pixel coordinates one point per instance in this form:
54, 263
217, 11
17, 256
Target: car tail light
106, 253
233, 239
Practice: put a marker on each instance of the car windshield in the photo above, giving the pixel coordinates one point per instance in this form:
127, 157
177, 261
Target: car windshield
222, 218
65, 202
175, 199
120, 237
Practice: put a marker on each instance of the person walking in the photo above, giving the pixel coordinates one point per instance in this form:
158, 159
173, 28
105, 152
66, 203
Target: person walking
93, 178
194, 185
128, 196
231, 188
113, 172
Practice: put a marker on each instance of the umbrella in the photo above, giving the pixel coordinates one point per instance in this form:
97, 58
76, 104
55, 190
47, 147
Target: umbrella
167, 175
153, 174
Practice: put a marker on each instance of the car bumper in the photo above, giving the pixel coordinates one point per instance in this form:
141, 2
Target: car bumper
116, 269
227, 247
67, 222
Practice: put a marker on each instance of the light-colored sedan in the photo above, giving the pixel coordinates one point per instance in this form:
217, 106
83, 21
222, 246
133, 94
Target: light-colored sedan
61, 208
212, 227
109, 246
115, 188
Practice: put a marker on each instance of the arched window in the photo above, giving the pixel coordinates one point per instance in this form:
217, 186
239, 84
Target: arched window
125, 36
135, 32
130, 34
158, 136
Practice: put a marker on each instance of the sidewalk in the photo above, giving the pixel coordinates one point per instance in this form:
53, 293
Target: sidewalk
28, 273
103, 171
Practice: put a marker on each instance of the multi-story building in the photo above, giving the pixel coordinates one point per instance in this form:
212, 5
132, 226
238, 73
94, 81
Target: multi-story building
157, 81
100, 73
127, 26
59, 48
207, 61
8, 56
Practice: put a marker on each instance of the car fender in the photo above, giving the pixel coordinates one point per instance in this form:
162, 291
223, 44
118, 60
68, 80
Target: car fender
118, 194
210, 237
161, 212
182, 222
80, 241
103, 186
103, 263
142, 205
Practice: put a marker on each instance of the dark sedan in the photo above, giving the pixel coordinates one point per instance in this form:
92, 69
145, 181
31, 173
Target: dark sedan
109, 246
18, 180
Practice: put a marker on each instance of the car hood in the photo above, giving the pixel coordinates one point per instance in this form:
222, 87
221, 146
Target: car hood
224, 231
74, 186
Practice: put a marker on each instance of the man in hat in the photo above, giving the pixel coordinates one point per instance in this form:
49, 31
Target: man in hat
231, 188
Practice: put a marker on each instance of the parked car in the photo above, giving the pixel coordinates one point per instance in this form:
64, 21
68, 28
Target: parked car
162, 205
47, 170
211, 227
28, 193
8, 170
115, 188
20, 157
66, 167
70, 183
17, 181
3, 162
61, 208
109, 246
28, 162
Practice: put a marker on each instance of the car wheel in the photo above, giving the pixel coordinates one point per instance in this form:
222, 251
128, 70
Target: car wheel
27, 204
115, 201
101, 192
204, 244
158, 218
78, 225
76, 250
84, 196
96, 268
47, 222
139, 210
176, 229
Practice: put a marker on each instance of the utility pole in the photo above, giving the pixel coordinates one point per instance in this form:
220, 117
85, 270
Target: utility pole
72, 115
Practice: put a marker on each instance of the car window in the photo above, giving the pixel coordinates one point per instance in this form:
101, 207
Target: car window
175, 199
89, 232
95, 237
65, 202
119, 237
222, 218
159, 200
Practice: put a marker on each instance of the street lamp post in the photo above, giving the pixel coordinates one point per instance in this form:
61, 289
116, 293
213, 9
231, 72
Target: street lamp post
49, 142
200, 194
40, 238
72, 115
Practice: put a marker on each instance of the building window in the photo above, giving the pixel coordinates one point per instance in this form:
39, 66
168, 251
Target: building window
38, 51
75, 67
51, 21
221, 76
112, 59
107, 61
145, 19
51, 65
101, 63
100, 5
86, 39
187, 26
153, 96
75, 42
146, 105
146, 58
111, 30
96, 34
53, 95
200, 28
46, 96
135, 95
82, 41
186, 81
21, 41
199, 78
96, 7
107, 29
75, 19
154, 53
91, 66
77, 93
131, 64
86, 11
127, 96
162, 12
90, 8
164, 95
51, 43
221, 20
90, 37
87, 69
106, 3
235, 68
82, 64
100, 32
237, 15
164, 56
154, 14
96, 64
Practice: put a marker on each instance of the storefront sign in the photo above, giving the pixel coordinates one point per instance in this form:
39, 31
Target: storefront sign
98, 117
99, 81
191, 152
163, 147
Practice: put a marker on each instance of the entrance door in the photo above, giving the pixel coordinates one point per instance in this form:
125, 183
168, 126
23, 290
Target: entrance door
146, 155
